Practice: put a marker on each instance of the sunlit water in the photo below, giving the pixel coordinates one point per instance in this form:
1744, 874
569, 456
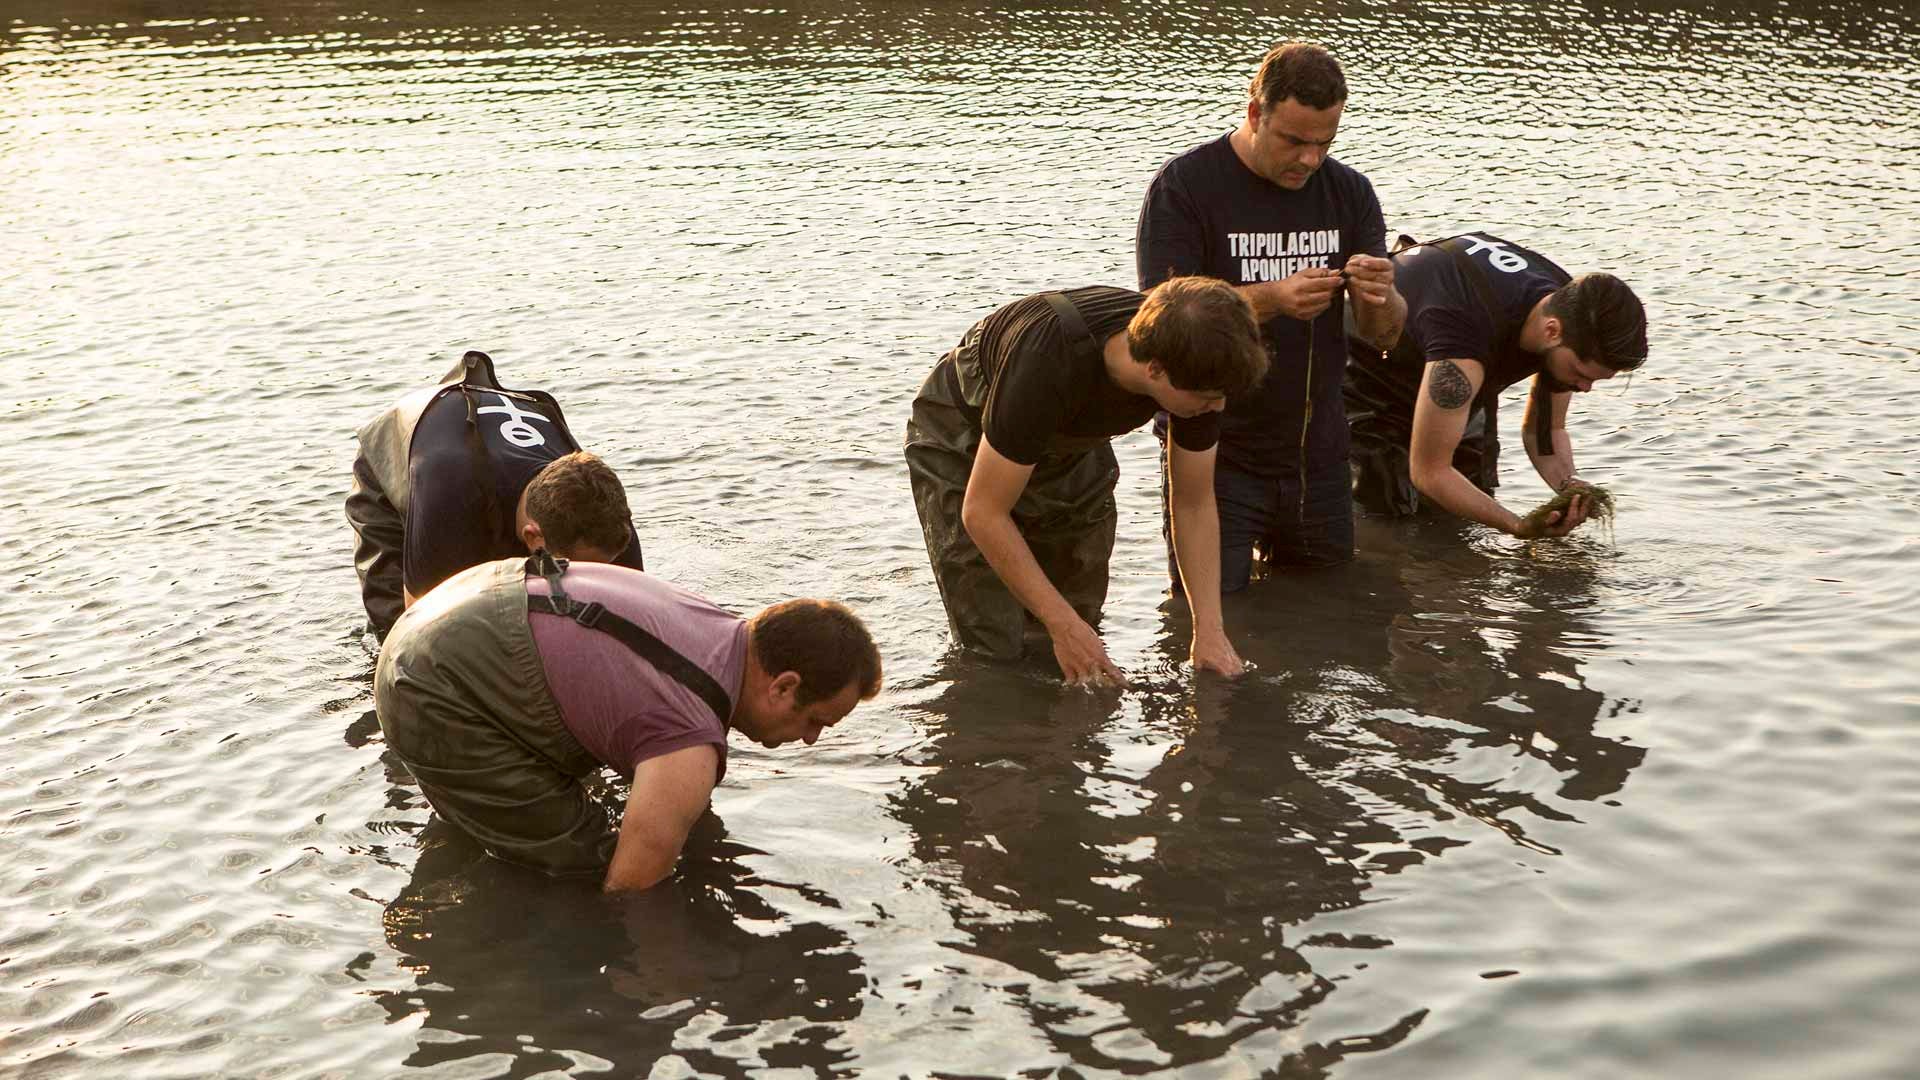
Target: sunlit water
1576, 809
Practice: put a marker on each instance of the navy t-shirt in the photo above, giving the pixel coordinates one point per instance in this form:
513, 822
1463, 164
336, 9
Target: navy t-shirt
1207, 213
1048, 392
1448, 320
449, 526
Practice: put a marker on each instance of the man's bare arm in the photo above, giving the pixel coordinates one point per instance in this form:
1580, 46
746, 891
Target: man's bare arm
1555, 468
669, 794
1439, 419
1196, 545
987, 514
1440, 414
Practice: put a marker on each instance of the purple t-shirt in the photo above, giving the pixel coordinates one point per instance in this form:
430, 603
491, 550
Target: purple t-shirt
621, 708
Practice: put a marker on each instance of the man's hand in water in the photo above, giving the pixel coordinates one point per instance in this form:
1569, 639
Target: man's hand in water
1083, 659
1213, 652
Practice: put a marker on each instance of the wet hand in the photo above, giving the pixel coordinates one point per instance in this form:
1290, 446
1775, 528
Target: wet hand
1369, 279
1213, 652
1083, 659
1307, 293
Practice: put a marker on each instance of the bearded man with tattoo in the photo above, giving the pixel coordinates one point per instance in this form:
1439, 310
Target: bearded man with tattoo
1482, 314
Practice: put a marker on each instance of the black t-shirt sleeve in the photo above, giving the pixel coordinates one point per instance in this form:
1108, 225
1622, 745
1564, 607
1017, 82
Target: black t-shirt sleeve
1368, 225
1196, 432
1454, 331
1169, 240
1030, 400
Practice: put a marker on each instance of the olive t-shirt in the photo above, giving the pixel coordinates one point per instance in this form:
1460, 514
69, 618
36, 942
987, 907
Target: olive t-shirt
1047, 391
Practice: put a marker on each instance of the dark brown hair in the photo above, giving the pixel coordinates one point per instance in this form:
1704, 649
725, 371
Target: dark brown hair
578, 501
1295, 69
821, 641
1201, 332
1601, 320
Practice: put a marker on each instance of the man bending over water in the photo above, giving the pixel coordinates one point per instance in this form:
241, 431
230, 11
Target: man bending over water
1009, 449
512, 681
440, 480
1483, 314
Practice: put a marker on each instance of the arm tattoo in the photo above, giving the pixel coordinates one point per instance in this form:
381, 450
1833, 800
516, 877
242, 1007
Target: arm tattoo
1448, 386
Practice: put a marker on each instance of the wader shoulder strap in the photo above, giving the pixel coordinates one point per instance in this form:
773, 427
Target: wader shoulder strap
1540, 403
594, 616
1071, 323
480, 469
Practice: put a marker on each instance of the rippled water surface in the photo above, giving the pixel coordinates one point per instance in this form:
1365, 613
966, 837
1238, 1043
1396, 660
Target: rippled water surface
1577, 809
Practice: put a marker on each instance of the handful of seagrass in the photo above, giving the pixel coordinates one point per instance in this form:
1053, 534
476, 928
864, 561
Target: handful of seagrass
1599, 507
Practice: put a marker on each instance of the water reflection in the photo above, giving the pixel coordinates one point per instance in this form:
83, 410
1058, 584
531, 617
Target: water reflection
596, 187
539, 975
1155, 861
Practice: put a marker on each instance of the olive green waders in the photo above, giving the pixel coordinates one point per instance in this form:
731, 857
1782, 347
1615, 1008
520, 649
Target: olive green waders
1066, 514
464, 703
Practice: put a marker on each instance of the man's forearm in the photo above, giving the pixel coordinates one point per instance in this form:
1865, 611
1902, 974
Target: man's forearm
1556, 468
1381, 324
636, 866
1007, 552
1263, 297
1196, 548
1454, 493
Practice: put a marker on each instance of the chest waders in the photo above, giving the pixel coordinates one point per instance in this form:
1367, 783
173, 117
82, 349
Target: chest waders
464, 703
1066, 513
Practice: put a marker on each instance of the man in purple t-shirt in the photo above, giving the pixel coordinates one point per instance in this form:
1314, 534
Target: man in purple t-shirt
512, 681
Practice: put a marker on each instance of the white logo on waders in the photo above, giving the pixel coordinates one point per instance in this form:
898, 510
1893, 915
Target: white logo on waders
516, 430
1502, 260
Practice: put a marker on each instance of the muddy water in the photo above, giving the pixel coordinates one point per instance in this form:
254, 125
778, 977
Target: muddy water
1574, 810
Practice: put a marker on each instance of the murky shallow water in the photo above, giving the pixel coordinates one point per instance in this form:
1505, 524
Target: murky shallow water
1570, 810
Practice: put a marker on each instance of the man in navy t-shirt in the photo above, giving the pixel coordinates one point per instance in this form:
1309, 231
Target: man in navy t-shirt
1301, 235
1482, 314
